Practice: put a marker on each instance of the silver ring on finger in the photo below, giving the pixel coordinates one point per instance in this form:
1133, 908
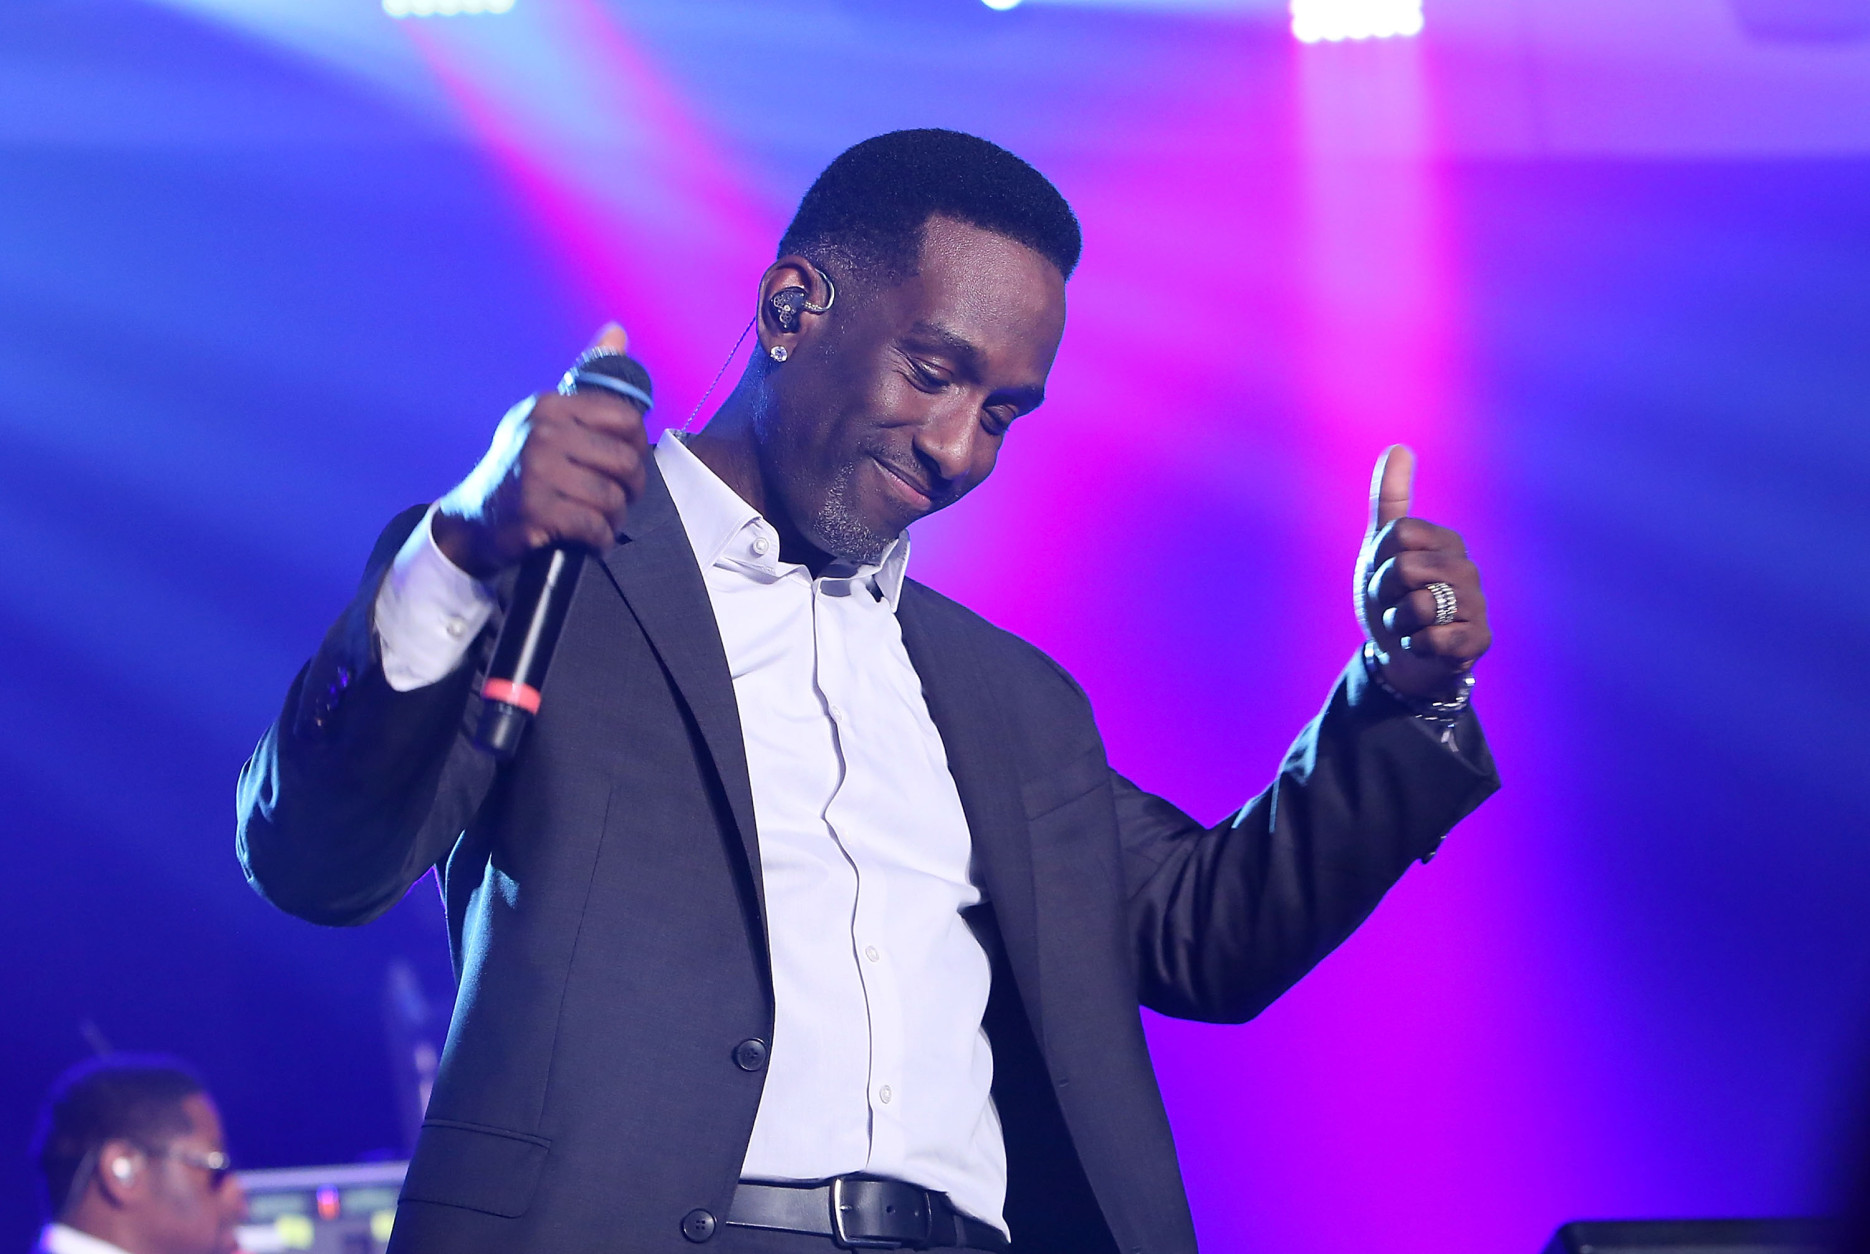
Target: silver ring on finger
1445, 603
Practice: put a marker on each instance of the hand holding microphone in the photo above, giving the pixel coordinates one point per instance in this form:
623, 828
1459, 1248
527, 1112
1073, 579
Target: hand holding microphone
561, 469
554, 485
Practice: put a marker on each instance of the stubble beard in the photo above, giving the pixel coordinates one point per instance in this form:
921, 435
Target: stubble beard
841, 531
837, 528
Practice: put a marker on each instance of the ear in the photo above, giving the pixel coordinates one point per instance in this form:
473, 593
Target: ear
122, 1172
793, 296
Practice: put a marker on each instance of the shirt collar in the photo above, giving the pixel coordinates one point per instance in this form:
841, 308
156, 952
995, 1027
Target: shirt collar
64, 1239
715, 517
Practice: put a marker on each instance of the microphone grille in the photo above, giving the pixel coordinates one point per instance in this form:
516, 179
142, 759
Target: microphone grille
616, 365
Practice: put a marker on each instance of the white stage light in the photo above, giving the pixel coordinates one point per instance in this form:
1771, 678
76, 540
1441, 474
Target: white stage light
1002, 5
1313, 20
444, 8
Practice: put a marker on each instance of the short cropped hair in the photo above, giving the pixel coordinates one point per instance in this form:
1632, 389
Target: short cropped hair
869, 206
122, 1097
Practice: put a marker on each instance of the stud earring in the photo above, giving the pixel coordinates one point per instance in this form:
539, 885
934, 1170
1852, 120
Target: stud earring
778, 352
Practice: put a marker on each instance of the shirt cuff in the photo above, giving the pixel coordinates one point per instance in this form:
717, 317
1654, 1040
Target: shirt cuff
428, 612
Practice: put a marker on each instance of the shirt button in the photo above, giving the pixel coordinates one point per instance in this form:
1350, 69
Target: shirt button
698, 1225
837, 712
870, 952
760, 546
750, 1054
883, 1095
456, 627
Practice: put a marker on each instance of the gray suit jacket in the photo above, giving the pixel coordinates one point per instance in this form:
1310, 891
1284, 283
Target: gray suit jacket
605, 909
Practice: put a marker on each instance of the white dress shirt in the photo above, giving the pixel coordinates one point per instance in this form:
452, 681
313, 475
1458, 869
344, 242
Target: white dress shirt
62, 1239
879, 1063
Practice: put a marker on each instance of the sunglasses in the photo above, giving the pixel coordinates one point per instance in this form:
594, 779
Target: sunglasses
216, 1163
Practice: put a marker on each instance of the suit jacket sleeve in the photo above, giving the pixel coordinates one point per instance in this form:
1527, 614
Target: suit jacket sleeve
1226, 918
357, 790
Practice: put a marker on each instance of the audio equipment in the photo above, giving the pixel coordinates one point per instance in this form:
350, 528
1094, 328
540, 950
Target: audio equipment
1695, 1236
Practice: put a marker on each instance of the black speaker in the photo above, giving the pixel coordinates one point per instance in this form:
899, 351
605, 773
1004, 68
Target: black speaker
1696, 1236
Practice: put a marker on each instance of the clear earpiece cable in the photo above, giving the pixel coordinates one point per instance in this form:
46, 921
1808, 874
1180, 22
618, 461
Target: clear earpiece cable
689, 421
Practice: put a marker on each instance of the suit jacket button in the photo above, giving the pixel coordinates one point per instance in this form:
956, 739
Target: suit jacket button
750, 1054
698, 1225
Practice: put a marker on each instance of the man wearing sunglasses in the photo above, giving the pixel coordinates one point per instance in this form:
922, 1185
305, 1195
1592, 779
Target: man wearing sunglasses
131, 1156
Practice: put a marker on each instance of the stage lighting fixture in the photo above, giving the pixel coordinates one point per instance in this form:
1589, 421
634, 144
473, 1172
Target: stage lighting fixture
1001, 5
444, 8
1332, 20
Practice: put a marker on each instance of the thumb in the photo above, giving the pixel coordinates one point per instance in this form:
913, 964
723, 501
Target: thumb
1390, 486
612, 336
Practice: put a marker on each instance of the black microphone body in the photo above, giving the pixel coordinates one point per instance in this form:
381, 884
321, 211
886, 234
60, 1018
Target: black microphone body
548, 577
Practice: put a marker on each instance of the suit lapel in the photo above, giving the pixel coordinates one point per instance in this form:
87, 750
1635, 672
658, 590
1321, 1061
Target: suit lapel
977, 741
653, 567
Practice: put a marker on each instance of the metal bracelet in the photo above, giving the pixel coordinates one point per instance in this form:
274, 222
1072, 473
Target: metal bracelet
1443, 712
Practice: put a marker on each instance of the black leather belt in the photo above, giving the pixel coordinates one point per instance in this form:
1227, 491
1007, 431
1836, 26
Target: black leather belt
863, 1213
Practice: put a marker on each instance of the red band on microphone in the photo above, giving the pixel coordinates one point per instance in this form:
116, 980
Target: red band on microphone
525, 696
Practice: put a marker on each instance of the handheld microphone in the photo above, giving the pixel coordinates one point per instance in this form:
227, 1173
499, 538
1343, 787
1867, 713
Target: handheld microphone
547, 579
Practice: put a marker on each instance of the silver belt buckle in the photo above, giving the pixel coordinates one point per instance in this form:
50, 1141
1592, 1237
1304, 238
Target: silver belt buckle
841, 1234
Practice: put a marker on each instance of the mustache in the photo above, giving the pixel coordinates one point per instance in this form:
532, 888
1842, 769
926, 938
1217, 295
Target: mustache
939, 489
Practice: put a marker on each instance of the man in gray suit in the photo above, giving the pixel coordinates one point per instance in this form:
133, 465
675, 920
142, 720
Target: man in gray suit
810, 915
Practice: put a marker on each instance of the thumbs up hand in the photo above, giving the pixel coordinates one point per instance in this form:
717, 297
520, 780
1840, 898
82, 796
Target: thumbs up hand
1417, 595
